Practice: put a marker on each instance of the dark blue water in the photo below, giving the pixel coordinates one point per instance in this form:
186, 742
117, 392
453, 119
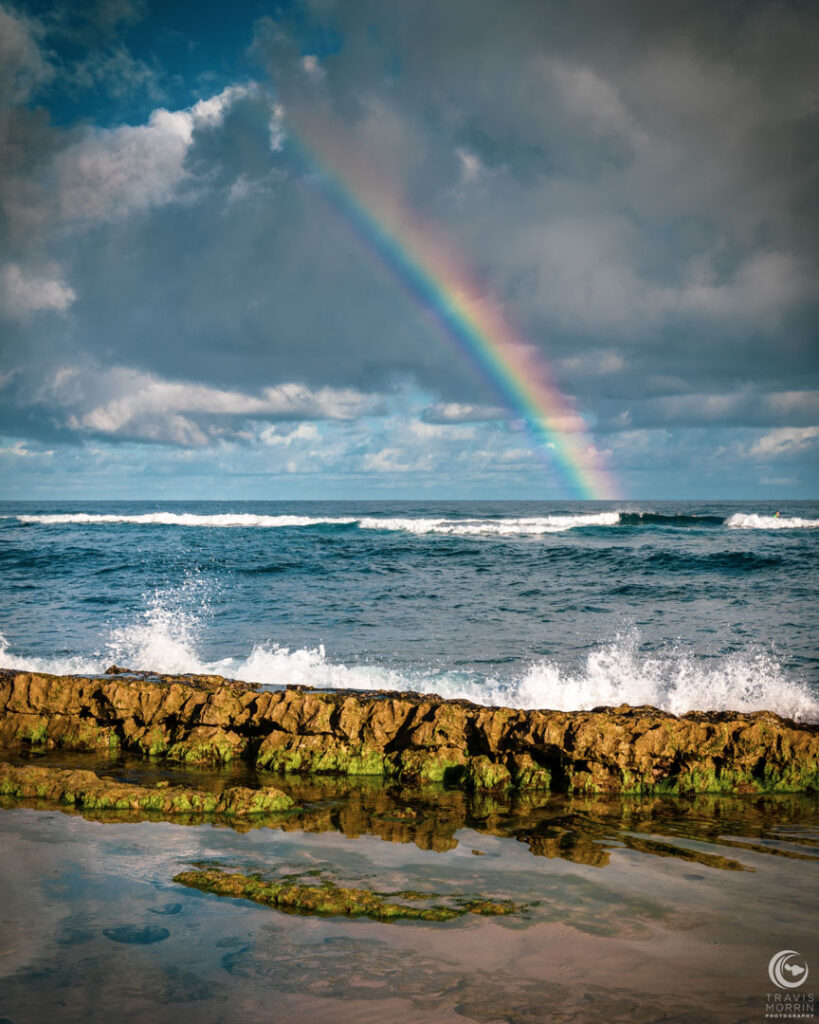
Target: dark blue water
684, 605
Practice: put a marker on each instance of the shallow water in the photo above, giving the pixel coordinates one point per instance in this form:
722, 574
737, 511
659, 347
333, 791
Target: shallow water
637, 910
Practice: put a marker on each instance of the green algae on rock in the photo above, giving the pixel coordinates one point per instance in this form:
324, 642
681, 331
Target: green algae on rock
410, 737
85, 789
324, 898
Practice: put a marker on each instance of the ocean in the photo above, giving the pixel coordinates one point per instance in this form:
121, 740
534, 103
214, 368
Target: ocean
686, 605
629, 909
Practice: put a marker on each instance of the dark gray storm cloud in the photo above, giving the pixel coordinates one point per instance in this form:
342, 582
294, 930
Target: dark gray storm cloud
634, 182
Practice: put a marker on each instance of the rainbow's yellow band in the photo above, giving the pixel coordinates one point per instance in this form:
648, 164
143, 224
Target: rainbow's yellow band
423, 263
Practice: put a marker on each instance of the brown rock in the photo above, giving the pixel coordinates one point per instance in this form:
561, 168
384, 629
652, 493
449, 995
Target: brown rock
207, 719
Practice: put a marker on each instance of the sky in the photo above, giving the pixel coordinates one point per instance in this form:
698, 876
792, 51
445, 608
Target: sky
214, 220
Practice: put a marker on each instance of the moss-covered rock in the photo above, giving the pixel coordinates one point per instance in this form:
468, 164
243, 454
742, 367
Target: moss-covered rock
87, 790
484, 773
323, 898
409, 737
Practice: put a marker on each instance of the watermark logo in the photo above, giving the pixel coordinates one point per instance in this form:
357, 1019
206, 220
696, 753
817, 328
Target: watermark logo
788, 969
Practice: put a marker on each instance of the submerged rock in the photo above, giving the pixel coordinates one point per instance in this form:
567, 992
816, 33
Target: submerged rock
133, 935
410, 737
324, 898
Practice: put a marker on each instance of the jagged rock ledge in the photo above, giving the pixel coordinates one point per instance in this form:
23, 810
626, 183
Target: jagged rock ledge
408, 736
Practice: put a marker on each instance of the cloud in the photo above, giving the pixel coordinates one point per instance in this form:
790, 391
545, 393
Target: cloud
20, 450
635, 190
312, 67
471, 167
594, 363
586, 93
113, 173
273, 436
449, 431
766, 285
140, 406
460, 412
23, 293
785, 440
748, 407
116, 71
23, 67
388, 460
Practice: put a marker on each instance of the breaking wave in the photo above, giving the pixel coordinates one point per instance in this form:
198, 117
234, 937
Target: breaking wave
494, 527
218, 520
497, 527
757, 522
165, 640
408, 524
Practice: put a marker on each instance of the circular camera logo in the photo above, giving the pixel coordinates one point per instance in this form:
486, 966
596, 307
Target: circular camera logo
788, 969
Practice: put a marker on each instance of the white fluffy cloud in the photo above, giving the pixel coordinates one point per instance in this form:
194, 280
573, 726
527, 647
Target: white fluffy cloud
126, 403
23, 292
274, 437
784, 440
113, 173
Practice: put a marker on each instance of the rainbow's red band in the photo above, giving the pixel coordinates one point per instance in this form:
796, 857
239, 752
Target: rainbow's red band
424, 264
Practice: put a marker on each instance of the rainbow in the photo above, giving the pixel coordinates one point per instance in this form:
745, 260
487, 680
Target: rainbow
424, 264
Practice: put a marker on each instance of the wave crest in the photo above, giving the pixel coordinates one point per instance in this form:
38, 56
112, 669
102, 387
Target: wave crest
741, 521
217, 520
529, 525
510, 526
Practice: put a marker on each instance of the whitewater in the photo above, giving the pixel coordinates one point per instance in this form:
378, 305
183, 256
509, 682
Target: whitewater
419, 525
685, 607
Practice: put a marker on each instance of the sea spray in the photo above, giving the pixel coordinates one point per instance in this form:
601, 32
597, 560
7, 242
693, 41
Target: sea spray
611, 674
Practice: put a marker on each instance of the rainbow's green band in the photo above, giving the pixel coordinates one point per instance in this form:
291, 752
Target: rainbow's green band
512, 368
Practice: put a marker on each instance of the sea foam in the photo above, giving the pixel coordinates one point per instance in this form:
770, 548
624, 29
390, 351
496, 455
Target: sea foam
528, 525
164, 640
219, 520
741, 521
498, 527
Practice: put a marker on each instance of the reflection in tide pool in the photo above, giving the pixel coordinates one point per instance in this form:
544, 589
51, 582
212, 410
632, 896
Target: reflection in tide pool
626, 910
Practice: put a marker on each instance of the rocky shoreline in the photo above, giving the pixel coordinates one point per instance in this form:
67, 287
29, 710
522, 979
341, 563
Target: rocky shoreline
408, 737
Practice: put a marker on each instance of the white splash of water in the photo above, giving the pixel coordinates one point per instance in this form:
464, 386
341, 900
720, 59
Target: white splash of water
59, 665
164, 640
